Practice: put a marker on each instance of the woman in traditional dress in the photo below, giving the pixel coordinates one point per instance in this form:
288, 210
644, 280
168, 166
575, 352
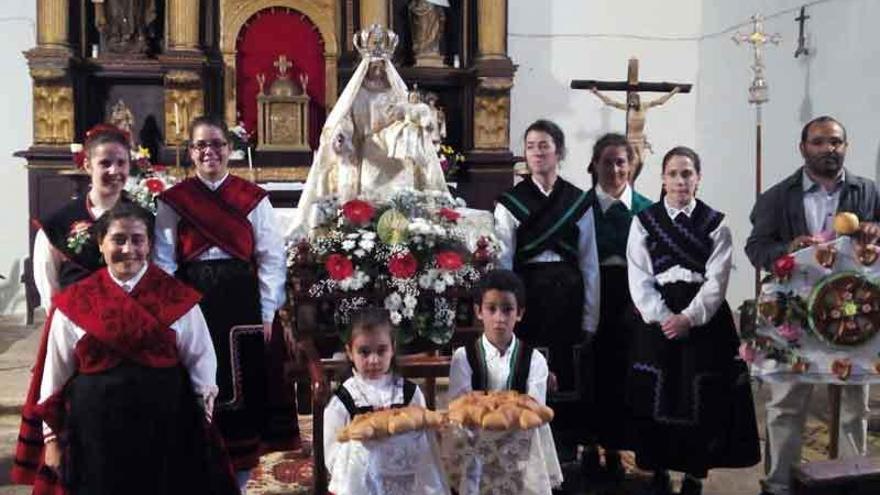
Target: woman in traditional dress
218, 233
688, 393
613, 203
65, 250
545, 230
125, 380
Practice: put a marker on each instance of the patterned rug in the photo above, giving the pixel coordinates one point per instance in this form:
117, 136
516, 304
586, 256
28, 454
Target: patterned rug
286, 473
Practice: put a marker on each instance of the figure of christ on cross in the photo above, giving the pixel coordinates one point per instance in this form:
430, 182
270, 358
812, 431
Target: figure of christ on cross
635, 109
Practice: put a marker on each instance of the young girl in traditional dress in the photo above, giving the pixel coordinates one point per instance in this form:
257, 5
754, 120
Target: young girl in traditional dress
689, 395
65, 250
124, 382
375, 385
613, 203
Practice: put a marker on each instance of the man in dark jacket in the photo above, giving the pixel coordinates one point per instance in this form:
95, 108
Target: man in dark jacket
791, 215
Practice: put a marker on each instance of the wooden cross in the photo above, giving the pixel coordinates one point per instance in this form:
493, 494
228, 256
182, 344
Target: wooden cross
802, 40
282, 64
635, 109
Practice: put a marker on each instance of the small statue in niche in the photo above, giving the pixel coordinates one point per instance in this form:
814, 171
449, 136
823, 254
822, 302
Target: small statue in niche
122, 117
438, 133
427, 23
124, 25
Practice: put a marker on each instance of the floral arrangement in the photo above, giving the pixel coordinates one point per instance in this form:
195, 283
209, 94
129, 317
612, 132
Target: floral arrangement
450, 161
79, 235
241, 141
408, 253
147, 181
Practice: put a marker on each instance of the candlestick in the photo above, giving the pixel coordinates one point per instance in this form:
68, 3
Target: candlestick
176, 120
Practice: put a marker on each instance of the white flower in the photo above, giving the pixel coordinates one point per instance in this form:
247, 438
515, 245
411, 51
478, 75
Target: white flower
367, 244
368, 235
395, 318
353, 235
426, 281
408, 313
359, 253
448, 278
348, 244
393, 301
410, 301
439, 286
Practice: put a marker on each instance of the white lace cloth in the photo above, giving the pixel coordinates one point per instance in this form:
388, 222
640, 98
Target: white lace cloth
501, 463
406, 464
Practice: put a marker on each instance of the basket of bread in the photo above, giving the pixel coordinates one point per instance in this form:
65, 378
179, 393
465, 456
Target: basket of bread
498, 411
388, 422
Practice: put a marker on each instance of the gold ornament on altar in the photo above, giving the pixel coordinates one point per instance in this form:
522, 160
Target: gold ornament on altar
283, 113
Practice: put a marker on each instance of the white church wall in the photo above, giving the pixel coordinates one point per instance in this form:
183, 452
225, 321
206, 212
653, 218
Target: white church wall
17, 34
839, 78
556, 41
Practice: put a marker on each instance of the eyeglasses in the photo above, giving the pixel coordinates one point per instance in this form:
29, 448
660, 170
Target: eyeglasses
215, 145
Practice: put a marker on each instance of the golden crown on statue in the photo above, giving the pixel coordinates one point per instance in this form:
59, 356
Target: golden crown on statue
376, 42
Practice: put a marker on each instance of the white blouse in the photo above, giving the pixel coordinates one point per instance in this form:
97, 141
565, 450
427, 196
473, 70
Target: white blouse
48, 260
642, 278
379, 393
588, 257
194, 348
498, 371
269, 249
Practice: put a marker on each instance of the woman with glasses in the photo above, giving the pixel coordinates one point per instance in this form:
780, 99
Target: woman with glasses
218, 233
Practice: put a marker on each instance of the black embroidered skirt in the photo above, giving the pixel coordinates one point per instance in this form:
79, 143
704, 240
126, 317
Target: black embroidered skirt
246, 417
139, 430
690, 399
611, 347
553, 324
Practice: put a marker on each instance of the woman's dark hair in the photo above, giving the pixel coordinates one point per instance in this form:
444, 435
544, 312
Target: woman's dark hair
612, 139
104, 134
373, 319
210, 121
553, 130
503, 281
685, 152
679, 151
124, 210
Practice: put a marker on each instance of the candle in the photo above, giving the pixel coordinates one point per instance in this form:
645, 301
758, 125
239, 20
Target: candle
176, 119
250, 159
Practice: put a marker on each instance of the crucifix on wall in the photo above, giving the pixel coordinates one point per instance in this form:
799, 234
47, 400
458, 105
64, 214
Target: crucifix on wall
634, 107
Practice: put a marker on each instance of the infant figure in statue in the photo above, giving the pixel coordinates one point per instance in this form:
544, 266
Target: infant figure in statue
375, 140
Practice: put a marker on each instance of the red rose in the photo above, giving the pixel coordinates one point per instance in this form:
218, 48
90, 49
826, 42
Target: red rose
339, 267
358, 212
79, 159
783, 267
448, 260
402, 265
80, 226
449, 214
159, 168
154, 185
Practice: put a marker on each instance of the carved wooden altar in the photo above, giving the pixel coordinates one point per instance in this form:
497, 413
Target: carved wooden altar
192, 62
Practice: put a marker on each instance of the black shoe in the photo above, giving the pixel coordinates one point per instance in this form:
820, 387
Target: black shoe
590, 467
613, 470
661, 484
691, 486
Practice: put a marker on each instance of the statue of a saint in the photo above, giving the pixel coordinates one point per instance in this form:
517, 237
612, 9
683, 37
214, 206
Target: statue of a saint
635, 121
375, 140
122, 118
439, 132
427, 22
124, 25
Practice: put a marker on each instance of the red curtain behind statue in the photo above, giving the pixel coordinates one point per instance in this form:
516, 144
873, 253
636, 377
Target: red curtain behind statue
267, 35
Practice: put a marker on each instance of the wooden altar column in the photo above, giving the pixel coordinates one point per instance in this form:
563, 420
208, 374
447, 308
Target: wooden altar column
52, 23
183, 25
374, 12
49, 63
491, 158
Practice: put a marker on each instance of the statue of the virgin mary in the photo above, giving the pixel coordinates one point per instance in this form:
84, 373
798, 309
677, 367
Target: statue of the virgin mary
375, 140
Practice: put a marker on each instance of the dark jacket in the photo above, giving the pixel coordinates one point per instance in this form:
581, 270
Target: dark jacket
778, 216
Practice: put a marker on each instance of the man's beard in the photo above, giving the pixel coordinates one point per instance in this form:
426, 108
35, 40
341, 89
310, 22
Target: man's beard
826, 165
